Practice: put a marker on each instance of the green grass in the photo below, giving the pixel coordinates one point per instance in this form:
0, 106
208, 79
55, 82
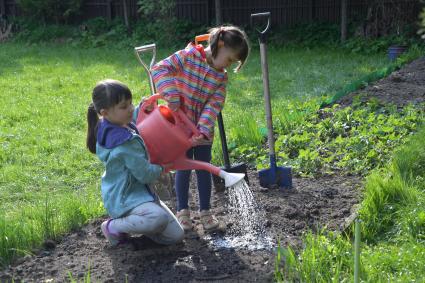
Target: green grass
49, 182
392, 217
295, 75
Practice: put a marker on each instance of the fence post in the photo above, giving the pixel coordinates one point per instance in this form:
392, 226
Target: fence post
125, 10
2, 8
343, 20
109, 10
218, 14
311, 10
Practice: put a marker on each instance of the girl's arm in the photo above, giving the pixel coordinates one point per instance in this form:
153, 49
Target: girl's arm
164, 76
136, 160
211, 109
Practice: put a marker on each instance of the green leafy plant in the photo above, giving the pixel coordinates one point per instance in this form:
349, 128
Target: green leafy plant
353, 140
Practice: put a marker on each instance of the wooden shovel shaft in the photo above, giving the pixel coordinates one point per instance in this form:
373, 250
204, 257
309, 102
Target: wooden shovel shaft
268, 108
223, 141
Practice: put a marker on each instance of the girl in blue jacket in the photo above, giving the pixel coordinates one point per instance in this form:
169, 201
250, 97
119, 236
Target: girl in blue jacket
133, 208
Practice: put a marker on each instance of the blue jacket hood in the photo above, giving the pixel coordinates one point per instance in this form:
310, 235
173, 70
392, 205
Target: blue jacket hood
110, 135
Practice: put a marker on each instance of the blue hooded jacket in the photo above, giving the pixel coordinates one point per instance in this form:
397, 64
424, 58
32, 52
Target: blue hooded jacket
127, 168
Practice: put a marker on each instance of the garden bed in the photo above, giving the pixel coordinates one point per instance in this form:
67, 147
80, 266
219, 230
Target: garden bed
311, 204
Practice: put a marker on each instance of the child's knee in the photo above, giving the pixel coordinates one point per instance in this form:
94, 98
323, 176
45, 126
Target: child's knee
158, 222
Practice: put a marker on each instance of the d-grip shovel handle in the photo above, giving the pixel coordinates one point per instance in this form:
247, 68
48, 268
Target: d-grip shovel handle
179, 114
142, 49
202, 37
259, 17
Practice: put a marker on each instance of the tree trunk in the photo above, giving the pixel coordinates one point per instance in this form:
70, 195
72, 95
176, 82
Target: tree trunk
218, 14
4, 33
343, 20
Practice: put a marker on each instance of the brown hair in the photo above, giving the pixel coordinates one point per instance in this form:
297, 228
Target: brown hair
233, 38
106, 94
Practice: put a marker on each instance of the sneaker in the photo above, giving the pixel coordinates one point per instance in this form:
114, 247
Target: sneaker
114, 239
184, 219
208, 220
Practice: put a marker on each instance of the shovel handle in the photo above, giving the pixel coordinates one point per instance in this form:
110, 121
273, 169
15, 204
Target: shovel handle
265, 72
202, 37
260, 17
142, 49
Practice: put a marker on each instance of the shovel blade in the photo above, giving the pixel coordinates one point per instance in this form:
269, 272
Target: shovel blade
234, 168
280, 176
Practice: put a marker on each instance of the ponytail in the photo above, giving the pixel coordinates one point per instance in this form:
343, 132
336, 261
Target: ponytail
92, 121
215, 34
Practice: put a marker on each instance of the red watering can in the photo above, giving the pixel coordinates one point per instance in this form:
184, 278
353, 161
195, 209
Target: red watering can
167, 136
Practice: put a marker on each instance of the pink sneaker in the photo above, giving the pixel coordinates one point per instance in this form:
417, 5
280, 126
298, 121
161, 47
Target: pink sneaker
114, 239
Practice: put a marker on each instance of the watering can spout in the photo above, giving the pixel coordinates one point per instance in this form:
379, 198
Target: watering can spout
231, 179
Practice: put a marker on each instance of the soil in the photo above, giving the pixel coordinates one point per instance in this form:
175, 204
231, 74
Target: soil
401, 87
285, 215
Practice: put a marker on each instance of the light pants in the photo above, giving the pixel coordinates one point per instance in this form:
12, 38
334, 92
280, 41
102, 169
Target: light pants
152, 219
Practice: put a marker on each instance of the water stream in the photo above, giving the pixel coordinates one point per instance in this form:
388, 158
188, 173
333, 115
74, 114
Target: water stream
248, 230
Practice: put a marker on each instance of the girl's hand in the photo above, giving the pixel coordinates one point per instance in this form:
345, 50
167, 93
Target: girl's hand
148, 107
173, 106
200, 140
166, 168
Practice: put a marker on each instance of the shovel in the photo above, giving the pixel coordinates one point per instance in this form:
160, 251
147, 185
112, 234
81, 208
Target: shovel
280, 176
219, 185
163, 186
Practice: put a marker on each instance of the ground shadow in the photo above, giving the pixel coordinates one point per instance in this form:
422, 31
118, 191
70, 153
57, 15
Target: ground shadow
193, 260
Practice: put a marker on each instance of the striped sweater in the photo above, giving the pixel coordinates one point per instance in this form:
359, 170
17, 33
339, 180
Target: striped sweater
187, 74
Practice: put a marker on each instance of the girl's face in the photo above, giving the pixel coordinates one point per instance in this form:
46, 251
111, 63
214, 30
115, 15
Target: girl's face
225, 58
120, 114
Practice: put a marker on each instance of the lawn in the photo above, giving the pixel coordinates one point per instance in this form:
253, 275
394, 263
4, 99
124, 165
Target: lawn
49, 182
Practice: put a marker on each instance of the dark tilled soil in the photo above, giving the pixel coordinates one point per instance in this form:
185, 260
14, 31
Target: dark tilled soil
311, 204
404, 86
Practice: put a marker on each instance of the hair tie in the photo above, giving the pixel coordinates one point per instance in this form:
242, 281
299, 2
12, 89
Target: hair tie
221, 31
91, 106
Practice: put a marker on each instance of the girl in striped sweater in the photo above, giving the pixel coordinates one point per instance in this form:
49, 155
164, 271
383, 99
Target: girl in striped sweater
195, 79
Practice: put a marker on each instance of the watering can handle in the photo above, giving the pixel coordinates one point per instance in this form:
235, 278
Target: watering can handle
144, 104
182, 118
260, 16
